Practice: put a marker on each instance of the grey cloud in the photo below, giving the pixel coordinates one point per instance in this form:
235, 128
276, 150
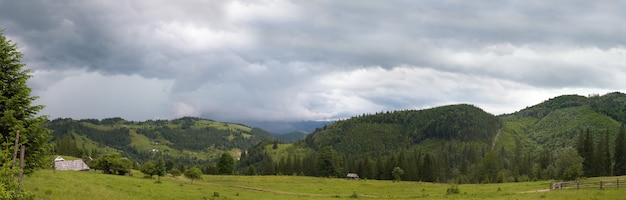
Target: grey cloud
276, 61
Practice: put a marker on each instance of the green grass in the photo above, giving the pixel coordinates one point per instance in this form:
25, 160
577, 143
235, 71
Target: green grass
285, 150
220, 125
46, 184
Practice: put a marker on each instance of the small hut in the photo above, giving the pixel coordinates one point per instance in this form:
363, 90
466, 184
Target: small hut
352, 176
74, 165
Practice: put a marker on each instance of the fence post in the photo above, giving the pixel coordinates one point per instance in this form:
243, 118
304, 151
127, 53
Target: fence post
577, 184
617, 183
22, 150
550, 186
600, 184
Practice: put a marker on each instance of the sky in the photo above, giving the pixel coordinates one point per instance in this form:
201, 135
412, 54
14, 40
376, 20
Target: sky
280, 60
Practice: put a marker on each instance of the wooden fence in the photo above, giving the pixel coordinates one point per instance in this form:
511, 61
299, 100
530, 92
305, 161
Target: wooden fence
617, 183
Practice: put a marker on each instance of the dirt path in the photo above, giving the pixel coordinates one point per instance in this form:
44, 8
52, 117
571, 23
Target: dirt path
495, 139
535, 191
292, 193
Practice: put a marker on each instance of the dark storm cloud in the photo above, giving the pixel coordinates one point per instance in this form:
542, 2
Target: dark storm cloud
310, 59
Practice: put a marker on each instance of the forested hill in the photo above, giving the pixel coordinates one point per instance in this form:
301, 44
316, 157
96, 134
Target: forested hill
462, 143
612, 105
186, 139
552, 124
383, 133
558, 121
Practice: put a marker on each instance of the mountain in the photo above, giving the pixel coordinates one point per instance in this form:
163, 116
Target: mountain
461, 143
553, 123
290, 137
284, 127
186, 140
383, 133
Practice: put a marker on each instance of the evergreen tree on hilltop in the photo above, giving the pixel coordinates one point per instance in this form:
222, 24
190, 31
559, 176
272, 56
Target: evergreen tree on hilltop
16, 111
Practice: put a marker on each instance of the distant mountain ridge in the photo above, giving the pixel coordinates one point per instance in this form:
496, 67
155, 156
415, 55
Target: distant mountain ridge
185, 139
291, 137
285, 127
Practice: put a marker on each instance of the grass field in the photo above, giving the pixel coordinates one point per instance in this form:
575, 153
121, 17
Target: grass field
47, 184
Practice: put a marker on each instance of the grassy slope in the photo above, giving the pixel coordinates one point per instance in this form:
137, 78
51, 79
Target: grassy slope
285, 150
46, 184
143, 143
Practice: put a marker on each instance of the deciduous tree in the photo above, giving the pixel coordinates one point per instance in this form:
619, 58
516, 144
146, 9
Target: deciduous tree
193, 174
568, 164
148, 168
397, 174
226, 164
112, 164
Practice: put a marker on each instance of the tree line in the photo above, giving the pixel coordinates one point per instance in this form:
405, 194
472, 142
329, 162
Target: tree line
454, 162
469, 162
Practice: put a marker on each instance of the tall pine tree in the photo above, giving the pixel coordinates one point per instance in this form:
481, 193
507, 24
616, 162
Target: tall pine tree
604, 155
586, 150
16, 111
17, 114
428, 169
620, 153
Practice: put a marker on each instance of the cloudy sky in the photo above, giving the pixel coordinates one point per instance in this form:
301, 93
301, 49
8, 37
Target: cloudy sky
311, 60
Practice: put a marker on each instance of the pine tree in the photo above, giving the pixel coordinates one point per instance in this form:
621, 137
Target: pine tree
380, 169
367, 167
491, 166
620, 153
16, 111
427, 170
17, 115
281, 168
288, 166
297, 166
517, 162
605, 155
329, 163
160, 168
308, 164
587, 152
403, 163
267, 166
251, 171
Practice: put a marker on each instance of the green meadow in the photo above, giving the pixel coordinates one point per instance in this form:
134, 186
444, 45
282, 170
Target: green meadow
48, 184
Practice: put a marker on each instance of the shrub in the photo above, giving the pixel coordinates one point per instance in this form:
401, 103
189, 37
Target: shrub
354, 195
453, 189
